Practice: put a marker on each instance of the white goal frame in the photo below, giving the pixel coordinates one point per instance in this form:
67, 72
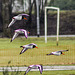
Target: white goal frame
58, 10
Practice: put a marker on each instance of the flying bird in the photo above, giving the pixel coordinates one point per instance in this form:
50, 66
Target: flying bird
18, 17
28, 46
20, 31
58, 52
40, 67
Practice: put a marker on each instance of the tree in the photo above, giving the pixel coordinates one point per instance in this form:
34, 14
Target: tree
65, 4
6, 16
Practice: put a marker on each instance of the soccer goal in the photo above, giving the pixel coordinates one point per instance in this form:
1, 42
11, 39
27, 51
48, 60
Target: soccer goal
58, 10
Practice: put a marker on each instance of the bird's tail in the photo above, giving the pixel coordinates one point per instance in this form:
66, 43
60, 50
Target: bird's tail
20, 53
47, 54
7, 27
67, 50
21, 46
25, 73
11, 40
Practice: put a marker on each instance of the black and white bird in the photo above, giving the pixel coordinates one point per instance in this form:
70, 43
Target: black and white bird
20, 31
57, 52
40, 67
28, 46
18, 17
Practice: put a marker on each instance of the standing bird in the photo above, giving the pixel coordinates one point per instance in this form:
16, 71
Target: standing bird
20, 31
40, 67
29, 46
57, 52
18, 17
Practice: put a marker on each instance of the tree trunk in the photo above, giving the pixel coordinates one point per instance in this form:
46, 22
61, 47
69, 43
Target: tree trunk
35, 11
1, 22
51, 3
42, 13
6, 17
30, 10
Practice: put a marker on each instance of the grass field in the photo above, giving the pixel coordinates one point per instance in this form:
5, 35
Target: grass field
71, 72
9, 52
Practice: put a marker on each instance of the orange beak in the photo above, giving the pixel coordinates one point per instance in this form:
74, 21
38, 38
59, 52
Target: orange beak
36, 47
63, 53
28, 32
25, 18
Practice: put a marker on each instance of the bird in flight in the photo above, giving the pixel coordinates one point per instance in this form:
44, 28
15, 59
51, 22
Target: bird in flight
28, 46
20, 31
40, 67
57, 52
18, 17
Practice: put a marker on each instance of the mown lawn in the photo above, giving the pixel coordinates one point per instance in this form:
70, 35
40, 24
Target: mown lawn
9, 52
68, 72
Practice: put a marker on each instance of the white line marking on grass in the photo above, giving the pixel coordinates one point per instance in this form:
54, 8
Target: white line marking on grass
45, 68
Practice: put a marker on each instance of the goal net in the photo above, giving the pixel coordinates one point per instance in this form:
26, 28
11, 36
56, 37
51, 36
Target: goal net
58, 10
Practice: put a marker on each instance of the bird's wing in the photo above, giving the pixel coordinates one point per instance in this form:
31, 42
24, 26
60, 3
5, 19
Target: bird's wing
24, 14
23, 50
41, 69
52, 53
49, 54
12, 22
30, 44
14, 36
62, 51
34, 44
25, 33
27, 70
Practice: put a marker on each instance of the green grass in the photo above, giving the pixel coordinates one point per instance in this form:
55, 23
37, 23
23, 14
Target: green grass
68, 72
10, 52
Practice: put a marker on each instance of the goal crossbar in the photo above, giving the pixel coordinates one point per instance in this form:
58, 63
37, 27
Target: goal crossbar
58, 10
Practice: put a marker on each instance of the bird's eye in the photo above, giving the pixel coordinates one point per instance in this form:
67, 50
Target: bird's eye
34, 46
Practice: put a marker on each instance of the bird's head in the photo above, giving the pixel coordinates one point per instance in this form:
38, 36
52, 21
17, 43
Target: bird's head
25, 18
34, 46
62, 53
28, 32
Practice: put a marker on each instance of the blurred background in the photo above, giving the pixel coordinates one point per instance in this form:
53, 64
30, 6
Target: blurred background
10, 8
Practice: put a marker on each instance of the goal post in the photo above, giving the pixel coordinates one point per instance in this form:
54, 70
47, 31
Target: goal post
58, 10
